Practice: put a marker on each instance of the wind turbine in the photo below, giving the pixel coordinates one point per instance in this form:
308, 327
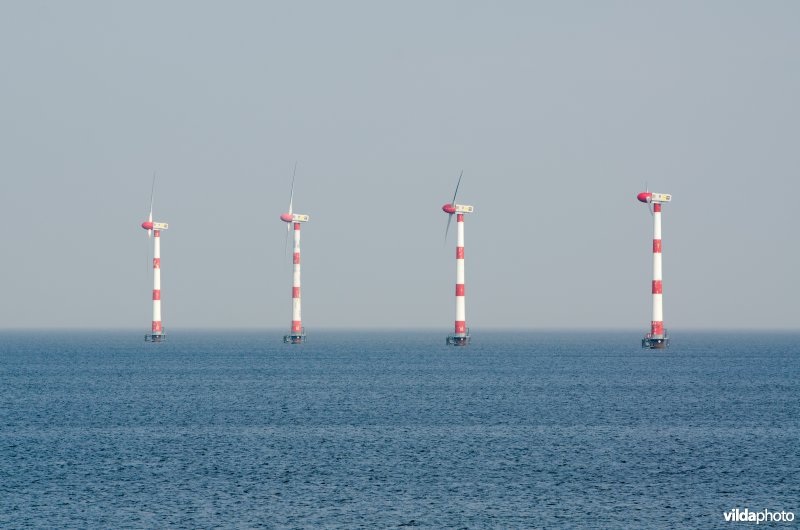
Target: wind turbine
297, 335
154, 230
657, 339
461, 335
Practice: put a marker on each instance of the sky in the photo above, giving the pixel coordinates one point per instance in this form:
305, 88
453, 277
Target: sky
557, 112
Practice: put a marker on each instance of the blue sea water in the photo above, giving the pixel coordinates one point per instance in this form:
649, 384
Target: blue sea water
395, 429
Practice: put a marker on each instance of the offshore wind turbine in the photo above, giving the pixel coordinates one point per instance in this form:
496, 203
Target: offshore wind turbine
657, 339
297, 334
461, 335
154, 231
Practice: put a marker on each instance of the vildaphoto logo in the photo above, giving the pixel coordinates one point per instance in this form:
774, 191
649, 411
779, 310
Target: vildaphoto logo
764, 516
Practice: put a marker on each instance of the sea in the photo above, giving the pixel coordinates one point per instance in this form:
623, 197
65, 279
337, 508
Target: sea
394, 429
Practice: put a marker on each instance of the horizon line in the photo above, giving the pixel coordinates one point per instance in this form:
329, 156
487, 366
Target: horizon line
400, 329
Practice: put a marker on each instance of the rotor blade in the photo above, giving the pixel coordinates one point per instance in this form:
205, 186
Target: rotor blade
291, 194
152, 196
147, 276
286, 244
446, 230
457, 185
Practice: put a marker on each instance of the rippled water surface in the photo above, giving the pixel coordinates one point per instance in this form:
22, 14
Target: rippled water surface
381, 430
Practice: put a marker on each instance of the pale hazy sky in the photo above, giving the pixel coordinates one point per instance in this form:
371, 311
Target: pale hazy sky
558, 113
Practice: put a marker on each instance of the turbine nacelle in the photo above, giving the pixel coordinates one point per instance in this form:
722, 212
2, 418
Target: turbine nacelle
294, 218
650, 197
150, 225
457, 208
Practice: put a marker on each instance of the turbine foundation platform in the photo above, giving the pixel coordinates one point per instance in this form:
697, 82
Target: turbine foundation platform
459, 339
650, 342
155, 337
295, 338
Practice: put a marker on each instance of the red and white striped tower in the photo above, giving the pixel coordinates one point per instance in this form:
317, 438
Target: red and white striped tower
657, 338
297, 335
157, 330
461, 335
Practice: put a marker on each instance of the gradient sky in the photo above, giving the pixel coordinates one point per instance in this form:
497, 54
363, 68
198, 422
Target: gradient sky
558, 113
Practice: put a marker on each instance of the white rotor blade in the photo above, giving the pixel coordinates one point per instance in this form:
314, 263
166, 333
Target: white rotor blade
289, 225
453, 204
291, 193
152, 195
457, 185
446, 230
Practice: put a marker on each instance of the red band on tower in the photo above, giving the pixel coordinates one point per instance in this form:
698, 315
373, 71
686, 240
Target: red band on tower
295, 292
461, 326
156, 233
657, 328
297, 327
156, 263
657, 207
657, 287
459, 289
459, 252
460, 218
156, 326
297, 226
656, 246
297, 258
156, 294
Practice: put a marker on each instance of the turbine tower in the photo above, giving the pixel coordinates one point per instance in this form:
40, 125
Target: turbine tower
657, 339
154, 231
461, 335
297, 335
